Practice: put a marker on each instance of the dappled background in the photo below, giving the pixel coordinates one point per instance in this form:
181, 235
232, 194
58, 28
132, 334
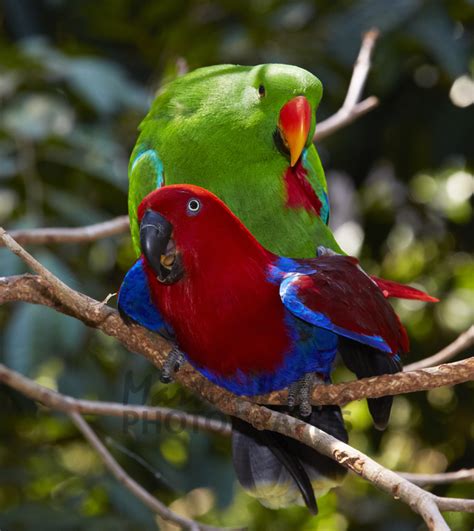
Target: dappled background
76, 78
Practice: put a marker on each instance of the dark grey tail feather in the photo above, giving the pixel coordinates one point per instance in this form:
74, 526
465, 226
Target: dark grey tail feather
263, 458
293, 466
366, 361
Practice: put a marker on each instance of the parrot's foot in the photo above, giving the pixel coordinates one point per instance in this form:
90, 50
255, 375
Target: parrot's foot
325, 251
299, 393
172, 364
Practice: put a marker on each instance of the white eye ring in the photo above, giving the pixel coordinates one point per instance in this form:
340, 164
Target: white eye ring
194, 206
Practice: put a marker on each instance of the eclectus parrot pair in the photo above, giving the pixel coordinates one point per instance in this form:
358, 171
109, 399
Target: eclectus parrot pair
247, 319
255, 322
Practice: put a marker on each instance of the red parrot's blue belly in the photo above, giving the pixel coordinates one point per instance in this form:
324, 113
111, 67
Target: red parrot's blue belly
246, 341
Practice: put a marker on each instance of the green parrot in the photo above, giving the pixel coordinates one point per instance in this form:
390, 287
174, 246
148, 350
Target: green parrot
244, 133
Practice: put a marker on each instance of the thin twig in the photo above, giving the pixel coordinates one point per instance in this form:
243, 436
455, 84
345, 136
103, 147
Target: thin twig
87, 233
132, 413
135, 488
352, 108
465, 474
464, 341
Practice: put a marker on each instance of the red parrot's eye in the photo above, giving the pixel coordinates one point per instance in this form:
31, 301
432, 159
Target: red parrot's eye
261, 91
194, 206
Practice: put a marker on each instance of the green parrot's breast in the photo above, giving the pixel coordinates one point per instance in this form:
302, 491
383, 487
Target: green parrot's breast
256, 193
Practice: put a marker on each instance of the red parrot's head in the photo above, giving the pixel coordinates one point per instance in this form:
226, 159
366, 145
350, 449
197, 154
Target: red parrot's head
184, 228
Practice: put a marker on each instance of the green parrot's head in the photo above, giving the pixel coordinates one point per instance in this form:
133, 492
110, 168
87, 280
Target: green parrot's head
258, 109
287, 99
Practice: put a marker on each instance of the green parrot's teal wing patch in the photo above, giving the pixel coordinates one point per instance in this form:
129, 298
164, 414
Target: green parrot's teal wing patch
150, 157
145, 175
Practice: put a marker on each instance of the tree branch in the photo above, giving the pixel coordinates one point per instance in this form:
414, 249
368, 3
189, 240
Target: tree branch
352, 108
36, 290
136, 489
88, 233
68, 404
50, 290
60, 402
393, 384
465, 474
424, 503
464, 341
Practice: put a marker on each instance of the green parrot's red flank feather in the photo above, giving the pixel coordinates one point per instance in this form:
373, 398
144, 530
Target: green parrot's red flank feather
299, 192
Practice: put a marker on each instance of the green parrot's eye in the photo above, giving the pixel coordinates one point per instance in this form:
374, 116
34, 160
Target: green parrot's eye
194, 206
261, 91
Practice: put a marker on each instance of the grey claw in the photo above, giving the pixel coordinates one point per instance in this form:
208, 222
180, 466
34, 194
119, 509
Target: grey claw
172, 364
291, 396
305, 408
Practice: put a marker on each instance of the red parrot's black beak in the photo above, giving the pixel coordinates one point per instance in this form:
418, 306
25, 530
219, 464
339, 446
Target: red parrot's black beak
158, 247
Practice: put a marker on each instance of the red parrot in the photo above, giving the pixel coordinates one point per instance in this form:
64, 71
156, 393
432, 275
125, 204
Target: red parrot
254, 322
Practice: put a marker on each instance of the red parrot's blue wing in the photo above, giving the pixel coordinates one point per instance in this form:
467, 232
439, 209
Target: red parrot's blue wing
134, 301
340, 297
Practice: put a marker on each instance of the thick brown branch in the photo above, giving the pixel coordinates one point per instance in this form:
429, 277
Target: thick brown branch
65, 403
84, 234
393, 384
421, 501
352, 108
31, 288
339, 451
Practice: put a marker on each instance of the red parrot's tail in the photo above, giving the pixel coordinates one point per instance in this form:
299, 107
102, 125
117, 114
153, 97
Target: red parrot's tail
280, 471
401, 291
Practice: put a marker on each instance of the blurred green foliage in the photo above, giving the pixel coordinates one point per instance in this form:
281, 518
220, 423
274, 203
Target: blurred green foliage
76, 77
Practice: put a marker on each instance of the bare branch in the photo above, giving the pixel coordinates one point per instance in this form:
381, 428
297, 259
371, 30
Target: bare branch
352, 108
65, 403
30, 288
68, 404
136, 489
464, 341
88, 233
421, 501
465, 474
361, 68
52, 292
393, 384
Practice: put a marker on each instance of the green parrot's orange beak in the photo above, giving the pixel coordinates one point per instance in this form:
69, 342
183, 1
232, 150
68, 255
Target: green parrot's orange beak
294, 125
